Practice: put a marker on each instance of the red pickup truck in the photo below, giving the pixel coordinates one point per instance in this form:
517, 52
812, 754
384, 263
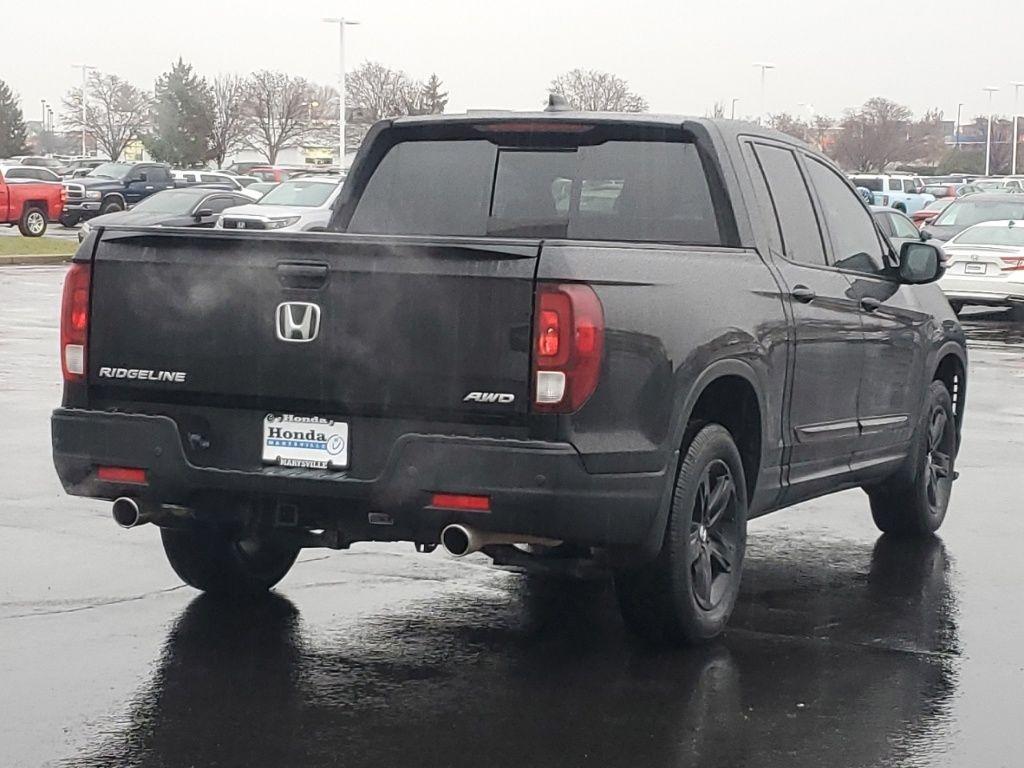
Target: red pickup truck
30, 204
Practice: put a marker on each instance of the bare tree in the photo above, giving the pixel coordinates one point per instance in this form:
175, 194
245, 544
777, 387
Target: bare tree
229, 122
379, 91
591, 91
717, 111
116, 112
874, 135
278, 109
789, 125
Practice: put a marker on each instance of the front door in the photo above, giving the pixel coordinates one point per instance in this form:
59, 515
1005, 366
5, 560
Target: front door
891, 384
821, 425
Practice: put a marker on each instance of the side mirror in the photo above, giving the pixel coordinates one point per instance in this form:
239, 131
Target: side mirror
203, 213
921, 263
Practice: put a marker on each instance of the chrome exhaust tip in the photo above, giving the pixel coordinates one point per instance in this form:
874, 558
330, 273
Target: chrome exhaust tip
457, 540
128, 514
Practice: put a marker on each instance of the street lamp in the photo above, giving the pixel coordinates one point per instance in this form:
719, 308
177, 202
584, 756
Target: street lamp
956, 128
342, 23
85, 73
732, 115
988, 138
1016, 110
764, 67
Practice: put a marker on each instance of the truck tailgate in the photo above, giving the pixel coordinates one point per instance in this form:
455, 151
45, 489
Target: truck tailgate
406, 326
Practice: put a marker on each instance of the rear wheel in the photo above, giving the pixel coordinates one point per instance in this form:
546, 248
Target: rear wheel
914, 501
686, 595
221, 562
68, 219
32, 222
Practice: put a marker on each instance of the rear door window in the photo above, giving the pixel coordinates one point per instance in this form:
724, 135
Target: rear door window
654, 191
792, 201
895, 185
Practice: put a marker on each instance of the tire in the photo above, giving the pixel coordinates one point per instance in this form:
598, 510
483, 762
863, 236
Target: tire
217, 562
687, 593
900, 207
913, 502
32, 222
112, 205
68, 220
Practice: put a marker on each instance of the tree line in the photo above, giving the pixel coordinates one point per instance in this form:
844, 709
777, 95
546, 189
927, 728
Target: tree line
188, 119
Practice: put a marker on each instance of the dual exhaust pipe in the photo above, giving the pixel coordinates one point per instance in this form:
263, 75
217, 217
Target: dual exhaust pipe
457, 540
461, 540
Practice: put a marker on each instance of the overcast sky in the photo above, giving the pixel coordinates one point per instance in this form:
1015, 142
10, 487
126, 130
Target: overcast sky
682, 56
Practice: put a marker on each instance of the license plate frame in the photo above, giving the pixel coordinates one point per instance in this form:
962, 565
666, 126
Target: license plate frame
308, 442
972, 268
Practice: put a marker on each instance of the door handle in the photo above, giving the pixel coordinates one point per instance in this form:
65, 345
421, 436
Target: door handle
870, 304
149, 187
302, 275
803, 293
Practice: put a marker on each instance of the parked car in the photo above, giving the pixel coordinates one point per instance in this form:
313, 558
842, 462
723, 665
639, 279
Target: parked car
245, 168
261, 187
80, 166
298, 205
930, 211
194, 206
904, 193
187, 177
29, 204
986, 265
30, 173
896, 225
940, 191
274, 173
52, 163
965, 212
997, 185
113, 187
461, 362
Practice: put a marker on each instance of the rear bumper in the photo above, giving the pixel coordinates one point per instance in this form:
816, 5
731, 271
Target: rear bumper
538, 488
983, 291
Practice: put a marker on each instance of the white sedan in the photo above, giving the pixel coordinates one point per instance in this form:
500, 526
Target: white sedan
986, 265
298, 205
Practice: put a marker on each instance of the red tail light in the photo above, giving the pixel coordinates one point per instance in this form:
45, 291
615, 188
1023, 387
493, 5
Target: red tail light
63, 196
74, 322
1012, 263
569, 343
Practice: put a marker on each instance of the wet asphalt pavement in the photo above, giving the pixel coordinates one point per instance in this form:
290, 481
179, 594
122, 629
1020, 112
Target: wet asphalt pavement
846, 649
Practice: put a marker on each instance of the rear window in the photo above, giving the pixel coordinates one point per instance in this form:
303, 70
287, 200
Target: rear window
301, 194
618, 190
874, 183
966, 213
1009, 236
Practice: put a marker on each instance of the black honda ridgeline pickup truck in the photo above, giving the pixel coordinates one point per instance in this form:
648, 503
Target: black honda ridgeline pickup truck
599, 339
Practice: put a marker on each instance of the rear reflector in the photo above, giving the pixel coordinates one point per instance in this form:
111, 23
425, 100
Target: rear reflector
130, 475
461, 501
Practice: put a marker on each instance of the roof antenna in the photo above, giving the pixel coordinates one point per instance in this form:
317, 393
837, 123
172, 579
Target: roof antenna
557, 103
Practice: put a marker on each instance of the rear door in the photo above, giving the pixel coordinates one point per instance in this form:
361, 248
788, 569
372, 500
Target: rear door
822, 430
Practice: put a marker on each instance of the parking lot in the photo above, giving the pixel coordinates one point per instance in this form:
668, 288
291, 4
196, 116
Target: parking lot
846, 648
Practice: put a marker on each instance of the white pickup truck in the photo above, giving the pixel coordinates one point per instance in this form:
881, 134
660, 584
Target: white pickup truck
904, 193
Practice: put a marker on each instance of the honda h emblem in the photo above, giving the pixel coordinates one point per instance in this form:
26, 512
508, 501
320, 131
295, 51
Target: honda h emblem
298, 321
239, 225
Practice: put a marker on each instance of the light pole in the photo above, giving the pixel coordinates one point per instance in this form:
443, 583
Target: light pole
49, 115
1016, 110
732, 114
764, 67
956, 128
988, 138
85, 76
42, 102
342, 23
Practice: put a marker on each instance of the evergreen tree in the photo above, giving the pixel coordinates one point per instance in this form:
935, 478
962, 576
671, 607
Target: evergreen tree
182, 119
433, 99
12, 125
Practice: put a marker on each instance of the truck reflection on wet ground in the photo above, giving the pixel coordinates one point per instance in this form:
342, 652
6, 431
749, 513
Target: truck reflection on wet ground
833, 651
